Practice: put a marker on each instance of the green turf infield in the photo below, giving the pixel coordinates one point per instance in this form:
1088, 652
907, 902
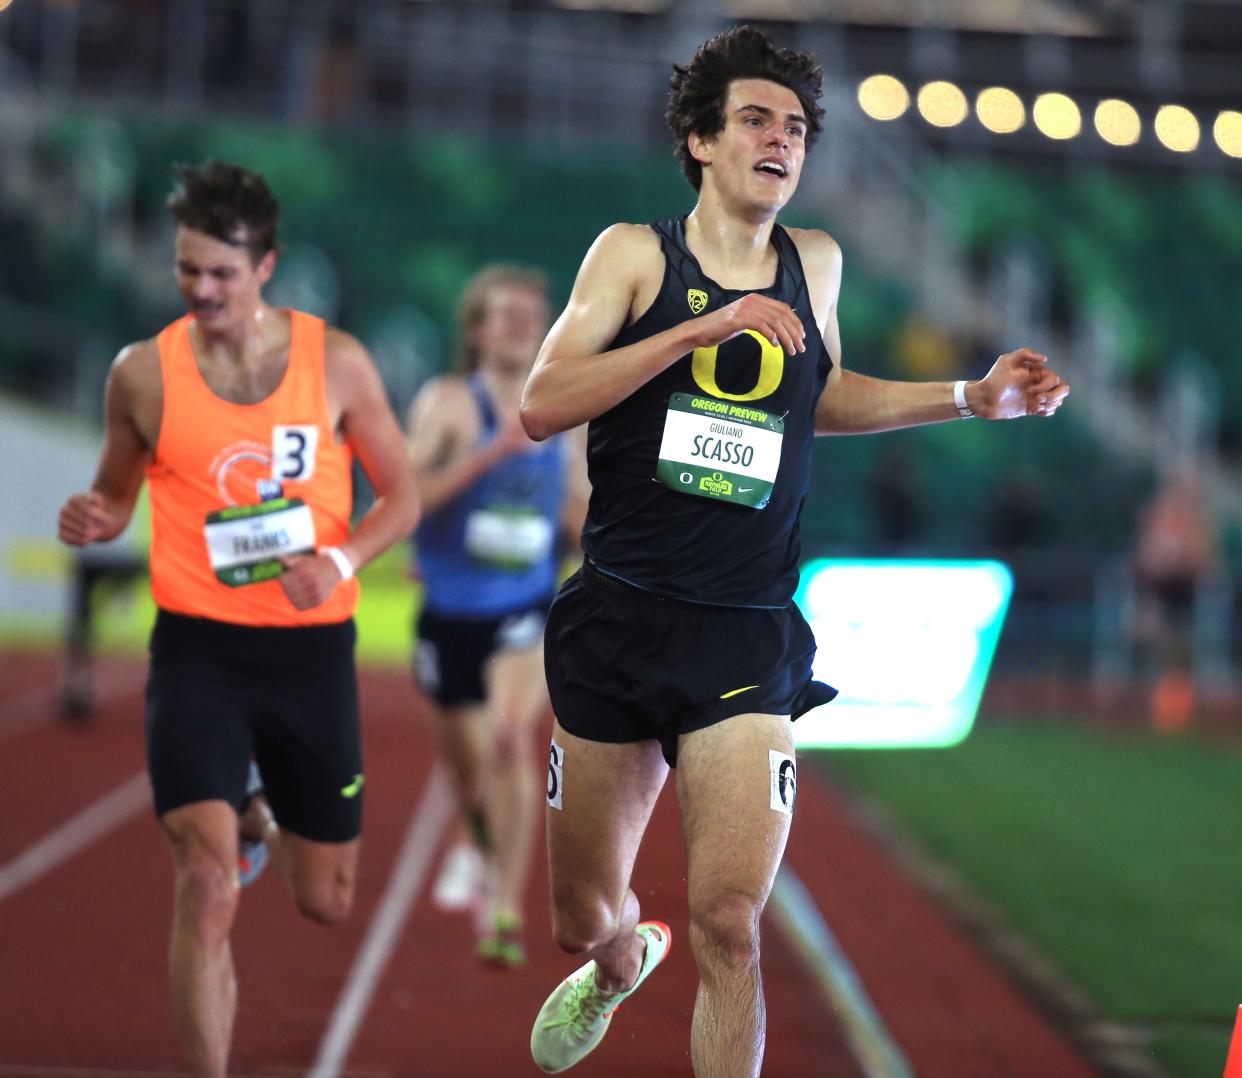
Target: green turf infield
1118, 855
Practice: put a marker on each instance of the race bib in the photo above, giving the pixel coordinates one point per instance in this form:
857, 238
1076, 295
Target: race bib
246, 542
515, 537
293, 452
720, 450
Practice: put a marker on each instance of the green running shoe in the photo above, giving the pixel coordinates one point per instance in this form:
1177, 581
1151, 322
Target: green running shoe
501, 945
576, 1016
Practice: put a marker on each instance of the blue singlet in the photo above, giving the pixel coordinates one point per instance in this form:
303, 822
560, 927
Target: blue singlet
492, 550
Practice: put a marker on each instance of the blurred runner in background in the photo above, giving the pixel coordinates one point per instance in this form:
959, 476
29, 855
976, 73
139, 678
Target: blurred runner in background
499, 510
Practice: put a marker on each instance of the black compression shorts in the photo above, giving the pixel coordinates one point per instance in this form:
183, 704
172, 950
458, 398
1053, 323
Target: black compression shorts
626, 665
453, 652
220, 694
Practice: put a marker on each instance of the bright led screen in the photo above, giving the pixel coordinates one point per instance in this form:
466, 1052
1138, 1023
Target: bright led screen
907, 643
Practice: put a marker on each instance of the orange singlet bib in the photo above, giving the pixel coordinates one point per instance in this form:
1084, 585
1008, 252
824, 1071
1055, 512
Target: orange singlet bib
234, 487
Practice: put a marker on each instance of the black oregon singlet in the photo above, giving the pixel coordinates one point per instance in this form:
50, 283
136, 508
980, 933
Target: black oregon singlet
690, 545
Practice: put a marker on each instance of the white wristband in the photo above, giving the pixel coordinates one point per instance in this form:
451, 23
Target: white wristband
340, 559
959, 398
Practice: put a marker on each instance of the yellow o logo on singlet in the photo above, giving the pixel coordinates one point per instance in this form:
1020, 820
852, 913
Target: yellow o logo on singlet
771, 370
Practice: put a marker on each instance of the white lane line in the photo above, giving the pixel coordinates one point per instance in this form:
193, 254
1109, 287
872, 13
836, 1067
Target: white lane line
426, 825
91, 823
872, 1045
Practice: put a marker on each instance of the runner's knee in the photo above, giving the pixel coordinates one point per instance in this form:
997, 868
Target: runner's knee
582, 920
326, 901
206, 896
509, 745
724, 930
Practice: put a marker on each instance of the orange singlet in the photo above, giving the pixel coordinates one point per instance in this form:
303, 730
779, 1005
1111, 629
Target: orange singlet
211, 557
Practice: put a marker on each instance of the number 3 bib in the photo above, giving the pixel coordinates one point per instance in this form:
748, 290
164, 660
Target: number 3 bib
720, 450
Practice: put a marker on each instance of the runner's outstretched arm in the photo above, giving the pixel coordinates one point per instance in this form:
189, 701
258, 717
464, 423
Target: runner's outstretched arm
1020, 383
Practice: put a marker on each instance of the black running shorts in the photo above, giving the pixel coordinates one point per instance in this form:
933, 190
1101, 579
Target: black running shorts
218, 694
626, 665
452, 654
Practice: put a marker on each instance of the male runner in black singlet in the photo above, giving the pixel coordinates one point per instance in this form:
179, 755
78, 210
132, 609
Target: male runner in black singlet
704, 352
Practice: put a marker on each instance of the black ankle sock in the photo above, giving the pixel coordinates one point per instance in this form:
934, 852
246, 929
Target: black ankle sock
478, 829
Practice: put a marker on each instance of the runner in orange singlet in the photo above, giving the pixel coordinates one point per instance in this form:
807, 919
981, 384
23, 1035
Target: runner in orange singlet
245, 420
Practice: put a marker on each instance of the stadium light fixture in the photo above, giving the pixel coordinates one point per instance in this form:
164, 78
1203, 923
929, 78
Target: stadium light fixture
1228, 132
1057, 116
883, 97
1000, 110
908, 644
942, 104
1117, 122
1176, 128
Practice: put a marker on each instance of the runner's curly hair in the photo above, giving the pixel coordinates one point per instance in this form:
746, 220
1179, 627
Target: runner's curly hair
227, 202
697, 91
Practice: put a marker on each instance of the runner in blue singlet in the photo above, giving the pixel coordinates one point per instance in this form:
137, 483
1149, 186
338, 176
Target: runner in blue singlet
497, 507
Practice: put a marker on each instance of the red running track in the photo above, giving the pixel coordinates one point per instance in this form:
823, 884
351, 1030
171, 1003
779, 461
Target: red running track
82, 947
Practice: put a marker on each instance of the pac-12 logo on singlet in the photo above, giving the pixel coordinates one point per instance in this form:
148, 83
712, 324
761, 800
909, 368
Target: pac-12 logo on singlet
697, 299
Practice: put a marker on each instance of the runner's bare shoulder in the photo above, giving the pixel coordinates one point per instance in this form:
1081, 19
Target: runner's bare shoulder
441, 419
818, 250
443, 392
135, 374
625, 265
626, 247
821, 262
138, 362
343, 352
